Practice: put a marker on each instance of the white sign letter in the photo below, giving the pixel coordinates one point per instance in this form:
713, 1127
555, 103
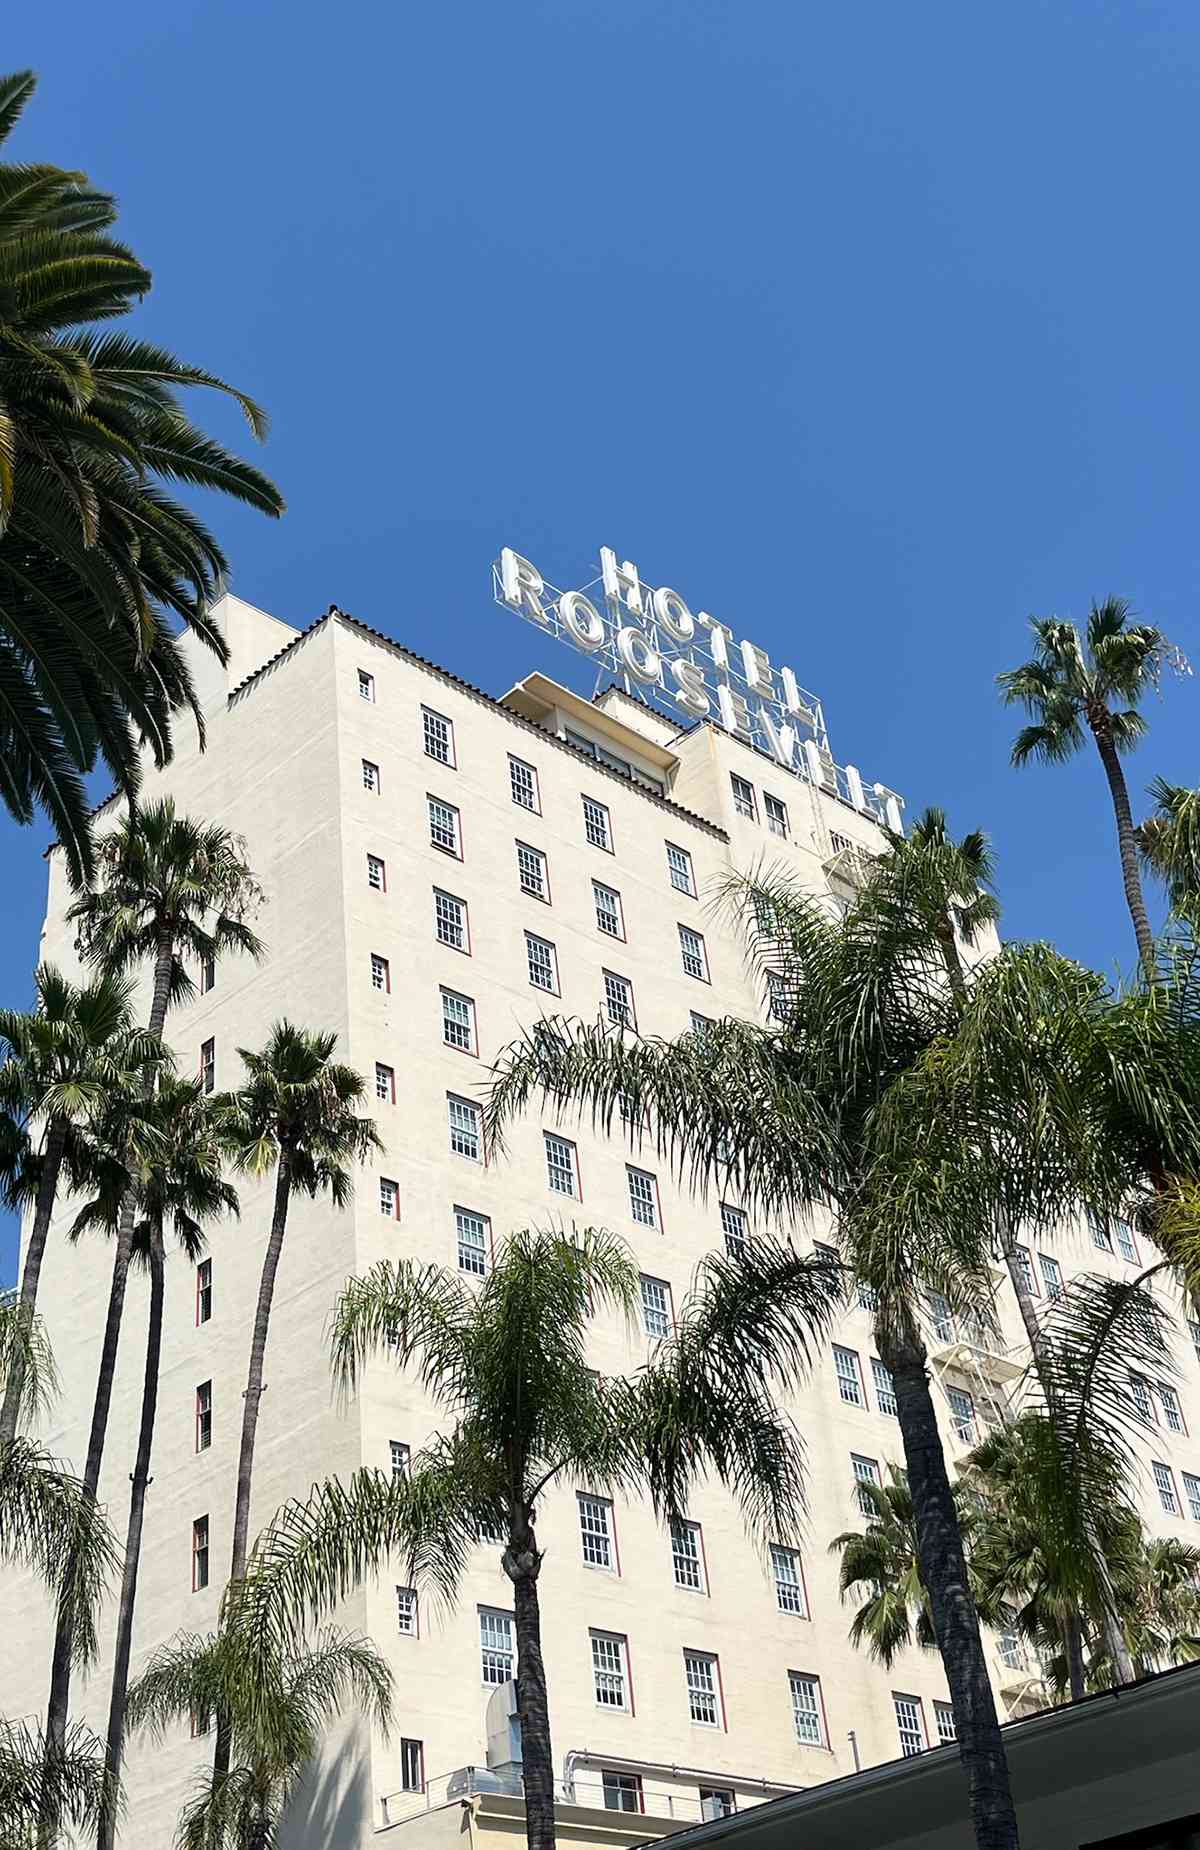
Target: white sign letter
854, 786
735, 714
522, 585
581, 620
756, 667
674, 615
638, 658
690, 690
621, 582
791, 696
783, 738
891, 809
719, 639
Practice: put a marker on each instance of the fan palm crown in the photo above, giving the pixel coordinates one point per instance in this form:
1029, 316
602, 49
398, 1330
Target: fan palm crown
1170, 843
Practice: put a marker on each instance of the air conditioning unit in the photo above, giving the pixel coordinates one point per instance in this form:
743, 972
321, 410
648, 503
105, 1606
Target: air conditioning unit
467, 1780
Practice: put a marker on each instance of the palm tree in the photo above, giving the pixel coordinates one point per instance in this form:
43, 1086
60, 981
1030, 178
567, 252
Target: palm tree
75, 1775
1170, 842
1075, 685
942, 885
96, 556
279, 1704
167, 1158
77, 1050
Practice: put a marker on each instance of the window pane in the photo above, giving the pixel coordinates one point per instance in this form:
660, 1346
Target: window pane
439, 736
618, 1000
656, 1307
866, 1471
560, 1164
531, 871
679, 866
608, 910
443, 825
406, 1611
595, 1531
464, 1128
885, 1392
845, 1363
776, 813
687, 1559
743, 797
643, 1197
734, 1225
472, 1232
595, 823
608, 1670
496, 1645
458, 1021
379, 972
366, 685
944, 1716
908, 1721
691, 946
701, 1674
450, 918
523, 781
542, 970
806, 1709
789, 1582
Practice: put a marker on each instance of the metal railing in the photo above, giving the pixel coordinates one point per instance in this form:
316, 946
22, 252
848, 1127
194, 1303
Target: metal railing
594, 1791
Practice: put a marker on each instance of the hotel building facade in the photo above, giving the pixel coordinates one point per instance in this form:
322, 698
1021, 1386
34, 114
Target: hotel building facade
440, 869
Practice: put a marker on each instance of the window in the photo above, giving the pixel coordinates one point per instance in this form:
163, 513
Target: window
401, 1456
208, 1065
716, 1802
444, 830
776, 814
943, 1716
406, 1611
1194, 1331
466, 1129
868, 1298
687, 1555
450, 920
439, 736
743, 797
1140, 1392
1191, 1490
609, 915
204, 1416
458, 1021
618, 1000
656, 1306
366, 685
845, 1363
376, 874
643, 1196
496, 1645
1027, 1274
940, 1316
1125, 1242
523, 782
596, 1531
531, 871
841, 844
1011, 1651
911, 1724
561, 1167
385, 1083
693, 953
412, 1765
1101, 1237
806, 1709
703, 1676
389, 1198
622, 1791
199, 1554
208, 974
610, 1670
1051, 1276
1165, 1485
1172, 1413
885, 1387
777, 995
789, 1581
381, 974
472, 1231
736, 1228
701, 1024
679, 866
866, 1471
596, 824
204, 1291
962, 1412
543, 963
370, 777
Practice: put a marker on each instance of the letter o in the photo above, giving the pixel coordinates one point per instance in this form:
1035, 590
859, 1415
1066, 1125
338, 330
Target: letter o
579, 616
638, 658
674, 615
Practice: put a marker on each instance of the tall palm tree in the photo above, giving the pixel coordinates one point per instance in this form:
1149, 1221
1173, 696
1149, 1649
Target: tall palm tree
1072, 686
77, 1050
1170, 842
167, 1158
75, 1775
96, 556
943, 884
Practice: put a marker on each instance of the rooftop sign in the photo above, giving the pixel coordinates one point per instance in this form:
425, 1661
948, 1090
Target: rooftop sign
689, 667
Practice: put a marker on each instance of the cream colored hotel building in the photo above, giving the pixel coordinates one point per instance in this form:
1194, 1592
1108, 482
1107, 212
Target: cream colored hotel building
440, 869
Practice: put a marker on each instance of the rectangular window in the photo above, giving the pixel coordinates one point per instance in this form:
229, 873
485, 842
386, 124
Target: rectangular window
389, 1198
656, 1306
596, 824
943, 1716
622, 1791
940, 1317
1101, 1237
910, 1722
208, 974
610, 917
523, 782
866, 1471
542, 959
381, 974
736, 1228
445, 831
1172, 1412
466, 1127
1140, 1394
1194, 1332
618, 1000
406, 1611
450, 920
743, 797
596, 1531
370, 777
687, 1555
1051, 1276
885, 1387
1011, 1651
497, 1652
868, 1298
199, 1554
385, 1083
204, 1291
204, 1416
531, 872
703, 1679
716, 1802
1125, 1242
789, 1581
807, 1713
693, 953
458, 1021
704, 1024
439, 736
841, 844
777, 995
643, 1196
962, 1413
776, 814
610, 1670
562, 1170
679, 866
472, 1231
366, 685
208, 1065
1027, 1272
412, 1765
1165, 1484
1191, 1490
845, 1363
376, 874
401, 1456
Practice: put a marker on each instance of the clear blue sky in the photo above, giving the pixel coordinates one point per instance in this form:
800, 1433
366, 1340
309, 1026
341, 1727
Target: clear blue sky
870, 328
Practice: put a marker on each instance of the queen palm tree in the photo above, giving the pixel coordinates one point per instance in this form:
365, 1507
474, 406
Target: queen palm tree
96, 556
77, 1050
1073, 686
76, 1776
942, 886
1170, 842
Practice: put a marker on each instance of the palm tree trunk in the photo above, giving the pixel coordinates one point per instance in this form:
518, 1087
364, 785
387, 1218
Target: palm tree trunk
948, 946
107, 1824
1126, 841
1025, 1304
52, 1157
537, 1756
1073, 1643
944, 1572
